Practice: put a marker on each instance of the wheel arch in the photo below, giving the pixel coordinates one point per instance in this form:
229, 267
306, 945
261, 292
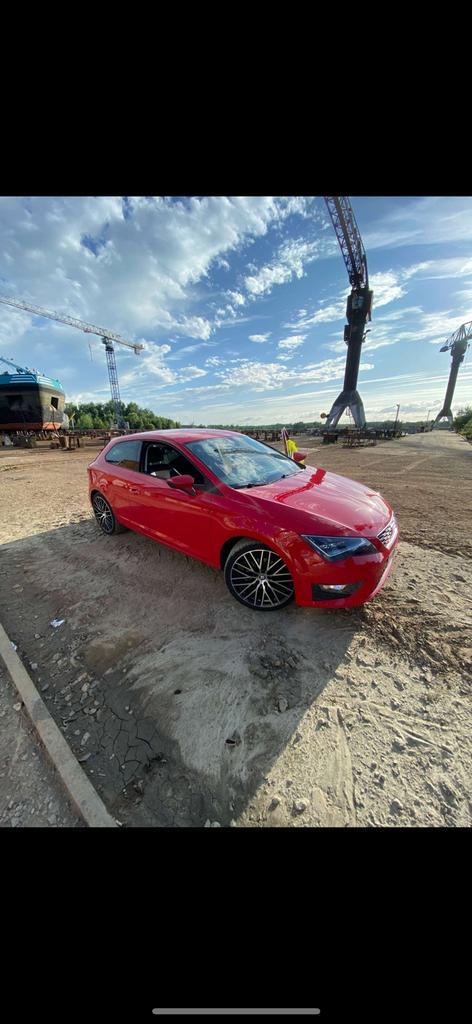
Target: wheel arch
229, 545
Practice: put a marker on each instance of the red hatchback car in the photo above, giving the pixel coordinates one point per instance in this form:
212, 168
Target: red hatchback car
277, 530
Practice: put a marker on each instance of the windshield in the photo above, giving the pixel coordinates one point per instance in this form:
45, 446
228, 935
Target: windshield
243, 462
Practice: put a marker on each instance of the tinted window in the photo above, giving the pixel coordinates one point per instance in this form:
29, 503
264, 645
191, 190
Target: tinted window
125, 454
241, 461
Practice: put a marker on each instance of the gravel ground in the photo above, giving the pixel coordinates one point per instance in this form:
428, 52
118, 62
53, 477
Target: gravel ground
31, 795
185, 708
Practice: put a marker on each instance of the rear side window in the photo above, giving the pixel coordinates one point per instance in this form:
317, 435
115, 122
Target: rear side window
126, 454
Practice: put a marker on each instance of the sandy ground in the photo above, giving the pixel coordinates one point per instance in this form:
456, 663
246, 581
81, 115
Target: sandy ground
185, 708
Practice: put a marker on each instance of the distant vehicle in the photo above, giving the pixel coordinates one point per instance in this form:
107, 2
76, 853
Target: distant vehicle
278, 532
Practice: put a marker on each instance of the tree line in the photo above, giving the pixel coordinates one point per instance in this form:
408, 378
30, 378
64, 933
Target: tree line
101, 415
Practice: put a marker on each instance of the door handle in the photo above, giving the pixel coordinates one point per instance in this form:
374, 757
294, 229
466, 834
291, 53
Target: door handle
135, 490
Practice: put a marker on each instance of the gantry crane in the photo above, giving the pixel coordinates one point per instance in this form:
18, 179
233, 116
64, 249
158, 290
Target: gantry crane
108, 337
359, 306
457, 344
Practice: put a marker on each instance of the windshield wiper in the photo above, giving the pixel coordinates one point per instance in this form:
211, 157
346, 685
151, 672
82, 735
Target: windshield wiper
261, 483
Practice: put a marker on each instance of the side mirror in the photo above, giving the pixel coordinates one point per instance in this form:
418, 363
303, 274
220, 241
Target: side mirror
299, 457
182, 483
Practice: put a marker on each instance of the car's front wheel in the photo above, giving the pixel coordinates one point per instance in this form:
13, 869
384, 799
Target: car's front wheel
257, 577
104, 516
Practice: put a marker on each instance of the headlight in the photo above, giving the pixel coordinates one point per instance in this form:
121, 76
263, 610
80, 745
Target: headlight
335, 548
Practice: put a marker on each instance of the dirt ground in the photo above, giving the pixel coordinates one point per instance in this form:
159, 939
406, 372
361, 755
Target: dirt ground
31, 795
185, 708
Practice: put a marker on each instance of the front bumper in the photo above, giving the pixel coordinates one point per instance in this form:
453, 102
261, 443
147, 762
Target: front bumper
368, 572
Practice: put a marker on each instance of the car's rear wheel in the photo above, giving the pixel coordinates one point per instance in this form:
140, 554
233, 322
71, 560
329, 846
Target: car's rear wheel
105, 517
257, 577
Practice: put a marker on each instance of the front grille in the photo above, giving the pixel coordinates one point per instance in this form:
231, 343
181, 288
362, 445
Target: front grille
388, 533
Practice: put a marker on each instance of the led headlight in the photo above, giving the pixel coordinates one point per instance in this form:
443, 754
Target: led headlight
336, 548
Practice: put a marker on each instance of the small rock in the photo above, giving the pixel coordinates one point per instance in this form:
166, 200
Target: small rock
396, 806
215, 824
52, 819
45, 687
33, 666
282, 704
84, 739
273, 804
37, 636
84, 757
17, 707
234, 740
300, 806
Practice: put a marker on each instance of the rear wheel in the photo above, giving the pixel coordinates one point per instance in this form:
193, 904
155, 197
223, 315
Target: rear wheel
105, 517
257, 577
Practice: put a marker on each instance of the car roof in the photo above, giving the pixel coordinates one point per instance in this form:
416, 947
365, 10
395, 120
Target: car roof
181, 434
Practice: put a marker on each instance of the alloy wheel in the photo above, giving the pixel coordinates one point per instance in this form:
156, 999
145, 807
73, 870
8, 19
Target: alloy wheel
103, 514
261, 579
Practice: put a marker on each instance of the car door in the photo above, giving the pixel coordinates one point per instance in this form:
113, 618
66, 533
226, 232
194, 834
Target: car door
182, 519
123, 480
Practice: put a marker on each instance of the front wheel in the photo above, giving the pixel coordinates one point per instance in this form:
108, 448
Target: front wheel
257, 577
105, 517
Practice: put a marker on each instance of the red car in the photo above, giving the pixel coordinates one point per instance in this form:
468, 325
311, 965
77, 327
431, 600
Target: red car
277, 530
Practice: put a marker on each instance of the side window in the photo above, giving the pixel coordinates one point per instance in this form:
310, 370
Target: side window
163, 461
126, 454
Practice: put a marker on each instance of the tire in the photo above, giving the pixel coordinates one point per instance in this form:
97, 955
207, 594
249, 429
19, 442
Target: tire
105, 517
257, 577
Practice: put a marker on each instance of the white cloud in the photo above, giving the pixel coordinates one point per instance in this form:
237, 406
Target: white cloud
259, 339
423, 221
291, 343
236, 298
289, 262
144, 263
215, 361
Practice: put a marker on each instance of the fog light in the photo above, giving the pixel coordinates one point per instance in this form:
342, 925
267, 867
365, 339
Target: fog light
333, 586
331, 591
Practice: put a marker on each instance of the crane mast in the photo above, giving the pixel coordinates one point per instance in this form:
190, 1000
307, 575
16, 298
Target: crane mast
108, 337
457, 345
358, 310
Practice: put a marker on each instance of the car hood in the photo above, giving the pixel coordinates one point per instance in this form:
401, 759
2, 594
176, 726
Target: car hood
330, 499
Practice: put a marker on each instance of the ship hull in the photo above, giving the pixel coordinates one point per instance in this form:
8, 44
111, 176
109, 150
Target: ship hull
30, 405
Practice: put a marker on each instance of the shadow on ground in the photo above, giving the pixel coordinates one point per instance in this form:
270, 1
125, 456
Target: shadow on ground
176, 699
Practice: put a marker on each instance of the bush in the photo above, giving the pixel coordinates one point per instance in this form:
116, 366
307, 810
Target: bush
463, 417
467, 430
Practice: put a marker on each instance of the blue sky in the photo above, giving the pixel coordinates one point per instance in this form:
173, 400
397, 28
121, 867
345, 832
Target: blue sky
239, 301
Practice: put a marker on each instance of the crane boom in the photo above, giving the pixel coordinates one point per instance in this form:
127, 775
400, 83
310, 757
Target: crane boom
358, 310
349, 238
72, 321
108, 337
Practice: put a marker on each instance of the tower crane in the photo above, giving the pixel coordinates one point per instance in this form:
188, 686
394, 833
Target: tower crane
108, 338
358, 310
457, 344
